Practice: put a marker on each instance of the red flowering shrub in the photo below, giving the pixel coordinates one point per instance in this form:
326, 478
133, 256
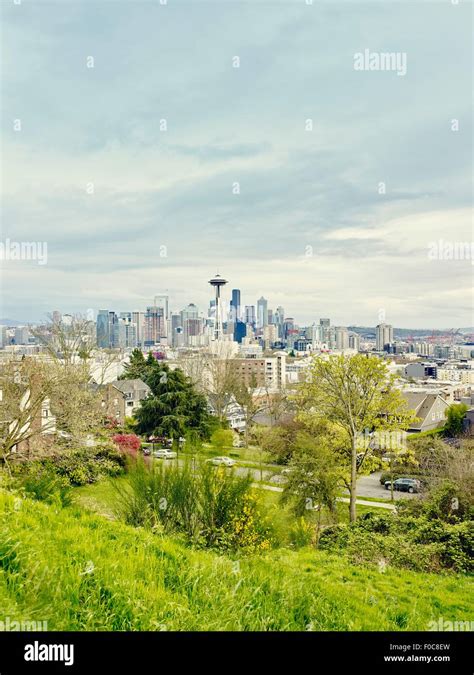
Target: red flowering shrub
127, 443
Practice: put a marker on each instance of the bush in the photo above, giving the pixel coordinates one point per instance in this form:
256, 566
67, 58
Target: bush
418, 544
129, 444
211, 507
77, 467
222, 438
45, 485
302, 533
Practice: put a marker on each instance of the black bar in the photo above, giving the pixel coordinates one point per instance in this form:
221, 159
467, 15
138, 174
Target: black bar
319, 652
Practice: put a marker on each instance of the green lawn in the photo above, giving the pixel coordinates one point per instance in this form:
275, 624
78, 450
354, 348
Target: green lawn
81, 571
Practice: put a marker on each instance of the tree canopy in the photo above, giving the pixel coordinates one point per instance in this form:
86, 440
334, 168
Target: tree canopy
174, 407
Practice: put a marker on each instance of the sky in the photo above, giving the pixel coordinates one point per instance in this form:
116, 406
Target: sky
150, 145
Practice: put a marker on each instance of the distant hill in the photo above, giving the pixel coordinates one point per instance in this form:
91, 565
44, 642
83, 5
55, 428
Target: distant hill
13, 322
405, 332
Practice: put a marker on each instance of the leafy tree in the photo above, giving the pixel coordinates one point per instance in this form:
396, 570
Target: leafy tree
454, 422
352, 395
314, 477
222, 438
174, 406
138, 367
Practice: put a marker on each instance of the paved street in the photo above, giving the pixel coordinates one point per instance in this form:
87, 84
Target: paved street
369, 486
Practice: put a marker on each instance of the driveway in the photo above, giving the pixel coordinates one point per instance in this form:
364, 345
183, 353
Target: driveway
369, 486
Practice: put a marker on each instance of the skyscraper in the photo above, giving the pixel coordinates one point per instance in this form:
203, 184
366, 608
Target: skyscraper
154, 325
342, 337
162, 302
250, 314
383, 336
262, 312
106, 329
235, 305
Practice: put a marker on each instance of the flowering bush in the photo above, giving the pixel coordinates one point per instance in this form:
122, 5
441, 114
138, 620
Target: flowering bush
128, 443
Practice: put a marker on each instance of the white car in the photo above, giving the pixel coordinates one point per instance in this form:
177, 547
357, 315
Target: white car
165, 454
222, 461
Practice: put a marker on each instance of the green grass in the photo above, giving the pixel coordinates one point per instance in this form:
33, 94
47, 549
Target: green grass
81, 571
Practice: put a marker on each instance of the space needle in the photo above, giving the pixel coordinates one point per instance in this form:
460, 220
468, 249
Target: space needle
217, 282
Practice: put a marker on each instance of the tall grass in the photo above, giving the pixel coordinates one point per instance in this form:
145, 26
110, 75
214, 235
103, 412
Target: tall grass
210, 506
82, 572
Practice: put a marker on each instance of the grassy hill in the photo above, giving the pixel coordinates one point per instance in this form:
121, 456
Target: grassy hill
80, 571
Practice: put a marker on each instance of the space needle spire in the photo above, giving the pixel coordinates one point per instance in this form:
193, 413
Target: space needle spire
216, 282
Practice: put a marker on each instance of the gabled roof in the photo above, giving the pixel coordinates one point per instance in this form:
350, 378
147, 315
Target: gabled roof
421, 403
130, 386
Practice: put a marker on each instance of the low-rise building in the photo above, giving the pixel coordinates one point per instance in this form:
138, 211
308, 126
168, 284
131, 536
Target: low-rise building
429, 408
122, 398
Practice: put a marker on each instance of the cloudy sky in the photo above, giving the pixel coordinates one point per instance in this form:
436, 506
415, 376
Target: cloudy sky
333, 221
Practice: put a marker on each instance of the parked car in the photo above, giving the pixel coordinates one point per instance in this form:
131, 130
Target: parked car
404, 485
222, 461
164, 453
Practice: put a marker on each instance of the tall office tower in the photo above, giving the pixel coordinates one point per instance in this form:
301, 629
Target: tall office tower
288, 327
271, 318
175, 324
279, 319
154, 325
102, 329
383, 336
217, 282
250, 314
56, 316
106, 329
314, 333
342, 337
240, 331
235, 305
325, 325
189, 312
162, 301
354, 341
138, 318
191, 328
127, 334
262, 312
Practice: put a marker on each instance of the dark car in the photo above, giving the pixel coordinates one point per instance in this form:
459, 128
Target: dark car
404, 485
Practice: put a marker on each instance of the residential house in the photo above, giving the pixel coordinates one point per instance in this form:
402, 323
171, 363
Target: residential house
122, 398
430, 408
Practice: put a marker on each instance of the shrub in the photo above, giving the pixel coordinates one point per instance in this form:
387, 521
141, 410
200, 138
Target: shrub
222, 438
211, 507
302, 533
129, 444
77, 467
412, 543
45, 485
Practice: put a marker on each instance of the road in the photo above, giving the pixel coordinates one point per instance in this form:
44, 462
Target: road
367, 486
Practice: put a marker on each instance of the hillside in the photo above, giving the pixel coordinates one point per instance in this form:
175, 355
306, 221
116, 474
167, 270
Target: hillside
80, 571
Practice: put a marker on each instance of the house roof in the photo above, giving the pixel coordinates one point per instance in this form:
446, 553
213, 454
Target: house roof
421, 403
130, 386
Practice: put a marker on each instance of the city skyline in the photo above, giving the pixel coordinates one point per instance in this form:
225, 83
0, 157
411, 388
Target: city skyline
264, 151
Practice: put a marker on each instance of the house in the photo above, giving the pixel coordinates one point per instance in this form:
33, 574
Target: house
468, 422
122, 398
430, 408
